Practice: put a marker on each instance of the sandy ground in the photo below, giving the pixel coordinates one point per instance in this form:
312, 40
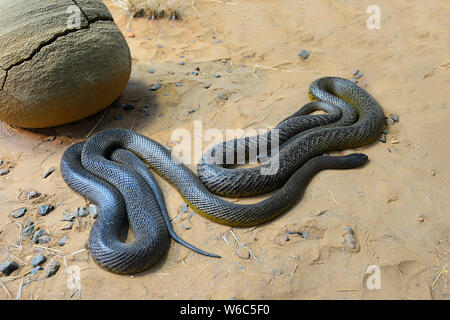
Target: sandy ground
397, 205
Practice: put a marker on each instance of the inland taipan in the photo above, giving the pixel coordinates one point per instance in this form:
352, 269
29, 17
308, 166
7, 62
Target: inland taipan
60, 61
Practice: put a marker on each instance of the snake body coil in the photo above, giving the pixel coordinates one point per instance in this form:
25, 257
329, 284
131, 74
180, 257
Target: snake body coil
117, 180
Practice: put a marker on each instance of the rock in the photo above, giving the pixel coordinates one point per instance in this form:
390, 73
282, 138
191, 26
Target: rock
181, 63
127, 107
178, 84
119, 117
243, 253
45, 209
216, 76
44, 240
52, 267
36, 269
32, 194
420, 218
152, 71
358, 75
63, 241
68, 226
185, 227
208, 85
383, 138
38, 260
304, 53
195, 73
28, 231
68, 217
8, 267
81, 212
156, 86
39, 233
395, 117
221, 96
4, 171
93, 211
48, 172
18, 212
59, 72
1, 162
197, 69
184, 208
354, 72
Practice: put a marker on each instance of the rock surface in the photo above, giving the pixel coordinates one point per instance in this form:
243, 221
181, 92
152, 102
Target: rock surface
52, 73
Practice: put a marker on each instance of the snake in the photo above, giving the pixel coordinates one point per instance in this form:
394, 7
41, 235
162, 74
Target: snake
113, 169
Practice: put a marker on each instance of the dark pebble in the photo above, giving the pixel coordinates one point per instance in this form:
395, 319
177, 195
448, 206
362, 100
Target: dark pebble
151, 71
185, 227
37, 235
44, 240
181, 63
28, 231
395, 117
81, 212
68, 217
19, 212
32, 194
184, 208
221, 96
8, 267
119, 117
216, 76
93, 211
144, 111
36, 269
383, 138
127, 107
156, 86
208, 85
45, 209
4, 171
178, 84
63, 241
38, 260
358, 75
195, 73
191, 111
197, 69
52, 267
304, 54
51, 138
229, 71
217, 42
48, 172
390, 121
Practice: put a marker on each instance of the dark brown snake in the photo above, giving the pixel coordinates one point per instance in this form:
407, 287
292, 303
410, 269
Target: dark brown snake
111, 170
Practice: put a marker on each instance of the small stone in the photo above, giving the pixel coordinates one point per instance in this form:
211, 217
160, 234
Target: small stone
4, 171
39, 233
197, 69
178, 84
350, 239
152, 71
44, 240
243, 253
286, 237
93, 211
185, 227
395, 141
32, 194
354, 72
208, 85
1, 162
358, 75
38, 260
221, 96
354, 80
156, 86
184, 208
390, 122
420, 219
127, 107
68, 217
395, 117
433, 172
216, 75
81, 212
63, 241
118, 117
8, 267
195, 73
304, 54
186, 73
181, 63
129, 34
51, 138
48, 172
28, 231
45, 209
35, 269
52, 267
19, 212
383, 138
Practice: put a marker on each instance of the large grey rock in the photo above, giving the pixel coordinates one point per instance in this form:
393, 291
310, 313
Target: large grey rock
52, 73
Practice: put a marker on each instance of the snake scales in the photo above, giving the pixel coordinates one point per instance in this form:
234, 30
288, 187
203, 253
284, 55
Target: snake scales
110, 169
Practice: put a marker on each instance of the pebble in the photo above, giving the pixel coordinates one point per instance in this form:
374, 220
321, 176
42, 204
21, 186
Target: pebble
81, 212
216, 75
208, 85
63, 241
44, 240
390, 121
28, 231
184, 208
52, 267
32, 194
358, 75
354, 72
39, 233
243, 253
19, 212
181, 63
350, 238
127, 107
420, 219
185, 227
48, 172
68, 217
38, 260
395, 117
51, 138
178, 84
8, 267
118, 117
152, 71
68, 226
221, 96
156, 86
36, 269
383, 138
93, 211
4, 171
186, 73
304, 54
229, 71
1, 162
45, 209
195, 73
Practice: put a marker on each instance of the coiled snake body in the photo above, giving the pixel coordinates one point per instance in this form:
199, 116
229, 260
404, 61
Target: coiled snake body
110, 170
